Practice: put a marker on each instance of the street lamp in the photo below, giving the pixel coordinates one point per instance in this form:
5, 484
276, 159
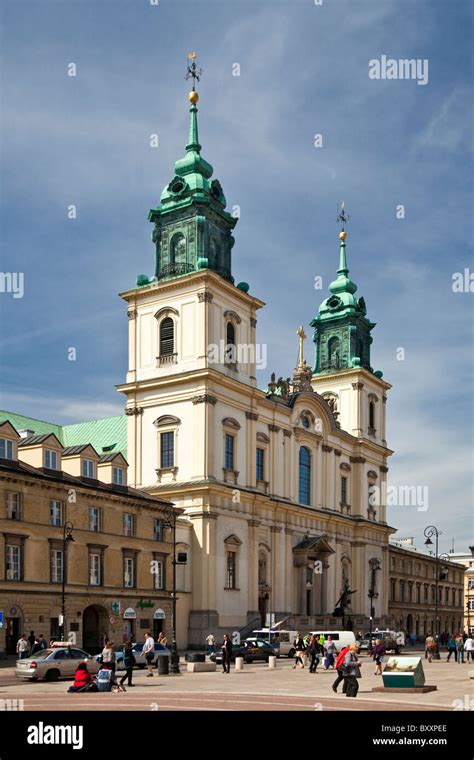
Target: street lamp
430, 531
67, 539
170, 522
372, 593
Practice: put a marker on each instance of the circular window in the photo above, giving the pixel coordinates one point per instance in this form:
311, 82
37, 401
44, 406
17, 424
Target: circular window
305, 421
177, 187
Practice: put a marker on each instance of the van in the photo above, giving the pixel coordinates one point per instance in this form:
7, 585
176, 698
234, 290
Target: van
281, 640
341, 638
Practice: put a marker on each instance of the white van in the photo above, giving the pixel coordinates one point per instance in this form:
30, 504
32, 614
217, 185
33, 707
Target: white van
282, 640
341, 638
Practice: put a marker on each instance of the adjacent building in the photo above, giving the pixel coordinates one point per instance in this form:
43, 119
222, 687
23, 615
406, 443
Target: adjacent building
467, 560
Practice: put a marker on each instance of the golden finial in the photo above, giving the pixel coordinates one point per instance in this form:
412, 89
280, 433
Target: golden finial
342, 235
193, 73
193, 97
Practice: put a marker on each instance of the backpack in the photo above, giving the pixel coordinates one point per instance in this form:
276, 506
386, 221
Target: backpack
340, 657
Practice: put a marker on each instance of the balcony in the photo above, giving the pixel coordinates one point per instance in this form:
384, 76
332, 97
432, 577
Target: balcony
166, 359
174, 270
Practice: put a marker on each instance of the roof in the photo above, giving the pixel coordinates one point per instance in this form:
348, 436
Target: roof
109, 434
69, 451
34, 440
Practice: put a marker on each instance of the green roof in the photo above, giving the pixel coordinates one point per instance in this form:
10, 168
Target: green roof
110, 432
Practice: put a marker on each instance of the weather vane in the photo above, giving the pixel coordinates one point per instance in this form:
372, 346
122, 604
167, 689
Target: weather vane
341, 215
193, 72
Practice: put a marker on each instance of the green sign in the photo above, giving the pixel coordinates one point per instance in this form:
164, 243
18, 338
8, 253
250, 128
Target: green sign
144, 605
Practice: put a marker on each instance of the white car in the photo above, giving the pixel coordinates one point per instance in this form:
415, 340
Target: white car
56, 662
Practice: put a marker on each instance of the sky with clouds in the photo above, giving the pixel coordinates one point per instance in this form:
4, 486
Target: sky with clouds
85, 140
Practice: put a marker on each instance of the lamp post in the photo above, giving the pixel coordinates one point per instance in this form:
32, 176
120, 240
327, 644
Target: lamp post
430, 531
67, 539
170, 522
372, 593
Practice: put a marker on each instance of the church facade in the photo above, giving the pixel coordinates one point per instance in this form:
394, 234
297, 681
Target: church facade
282, 489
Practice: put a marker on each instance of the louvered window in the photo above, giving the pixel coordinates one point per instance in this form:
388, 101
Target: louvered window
166, 337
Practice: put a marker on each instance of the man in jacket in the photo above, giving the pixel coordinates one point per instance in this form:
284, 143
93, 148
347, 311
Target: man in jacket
149, 652
226, 653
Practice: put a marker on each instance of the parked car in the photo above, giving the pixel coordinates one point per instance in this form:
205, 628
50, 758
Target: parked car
140, 661
56, 662
250, 650
390, 639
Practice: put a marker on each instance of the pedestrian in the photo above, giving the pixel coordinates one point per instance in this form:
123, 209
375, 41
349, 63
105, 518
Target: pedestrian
149, 652
378, 653
108, 655
351, 671
321, 643
31, 640
298, 645
313, 653
36, 647
83, 679
23, 647
226, 653
460, 648
211, 644
330, 650
430, 647
340, 670
105, 677
469, 648
451, 645
162, 639
42, 642
128, 663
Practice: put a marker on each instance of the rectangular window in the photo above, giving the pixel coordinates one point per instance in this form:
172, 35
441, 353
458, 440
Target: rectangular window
95, 575
159, 574
56, 565
343, 490
94, 519
56, 512
118, 476
471, 605
392, 589
426, 594
158, 529
13, 560
260, 461
418, 593
50, 460
13, 505
128, 525
229, 452
129, 572
230, 574
6, 448
453, 598
167, 450
470, 584
446, 596
88, 469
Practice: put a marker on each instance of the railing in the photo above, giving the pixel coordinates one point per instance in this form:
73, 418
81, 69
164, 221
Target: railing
334, 364
170, 270
167, 359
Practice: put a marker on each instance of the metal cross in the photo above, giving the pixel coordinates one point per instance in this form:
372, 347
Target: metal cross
341, 215
192, 70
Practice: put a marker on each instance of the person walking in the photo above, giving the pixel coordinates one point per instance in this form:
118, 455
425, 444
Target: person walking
42, 642
469, 648
211, 644
340, 670
352, 671
460, 648
313, 653
149, 652
23, 647
108, 656
330, 650
299, 650
128, 663
226, 653
451, 645
31, 640
321, 643
378, 653
430, 647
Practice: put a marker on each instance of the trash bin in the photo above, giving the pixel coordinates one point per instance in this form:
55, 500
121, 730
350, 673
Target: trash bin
163, 665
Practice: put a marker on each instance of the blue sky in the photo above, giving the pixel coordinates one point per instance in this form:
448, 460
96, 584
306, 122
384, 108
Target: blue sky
303, 71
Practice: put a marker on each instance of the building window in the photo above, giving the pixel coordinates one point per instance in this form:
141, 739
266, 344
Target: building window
159, 574
94, 519
230, 570
229, 452
343, 490
304, 494
459, 597
402, 591
470, 584
56, 512
230, 356
392, 563
166, 337
371, 417
259, 463
305, 421
167, 450
178, 250
128, 524
56, 565
158, 529
410, 592
446, 596
95, 574
13, 505
418, 593
88, 468
13, 563
6, 448
392, 589
129, 572
50, 460
453, 597
426, 593
433, 594
118, 476
471, 605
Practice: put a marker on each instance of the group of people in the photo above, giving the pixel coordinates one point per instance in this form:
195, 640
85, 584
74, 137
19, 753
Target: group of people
29, 645
456, 645
314, 648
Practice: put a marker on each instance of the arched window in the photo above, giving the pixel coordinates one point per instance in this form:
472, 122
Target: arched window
371, 416
230, 350
178, 250
262, 568
166, 337
304, 476
334, 352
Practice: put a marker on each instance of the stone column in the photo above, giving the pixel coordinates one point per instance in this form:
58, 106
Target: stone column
273, 464
203, 419
253, 566
132, 314
289, 571
287, 463
357, 411
278, 601
251, 446
330, 495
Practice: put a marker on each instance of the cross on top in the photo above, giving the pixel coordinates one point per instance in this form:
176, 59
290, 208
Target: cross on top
192, 70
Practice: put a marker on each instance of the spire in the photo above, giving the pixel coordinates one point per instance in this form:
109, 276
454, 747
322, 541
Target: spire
193, 144
342, 283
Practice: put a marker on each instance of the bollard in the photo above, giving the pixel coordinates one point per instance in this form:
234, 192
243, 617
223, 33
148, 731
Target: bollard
272, 661
239, 663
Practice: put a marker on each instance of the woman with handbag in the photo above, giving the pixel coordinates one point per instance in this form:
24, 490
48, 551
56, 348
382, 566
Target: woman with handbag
378, 653
351, 671
128, 663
